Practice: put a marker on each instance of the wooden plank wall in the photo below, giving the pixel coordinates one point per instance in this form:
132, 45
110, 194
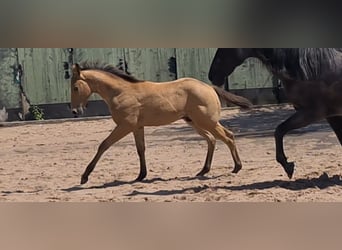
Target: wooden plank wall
194, 62
152, 64
44, 82
9, 89
108, 55
43, 78
251, 74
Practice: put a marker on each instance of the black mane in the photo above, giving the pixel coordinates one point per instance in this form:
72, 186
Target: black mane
109, 69
301, 63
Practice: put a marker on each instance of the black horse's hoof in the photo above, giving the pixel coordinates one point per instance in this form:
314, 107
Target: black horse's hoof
84, 180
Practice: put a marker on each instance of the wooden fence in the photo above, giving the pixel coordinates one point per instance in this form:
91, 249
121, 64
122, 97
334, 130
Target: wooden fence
37, 75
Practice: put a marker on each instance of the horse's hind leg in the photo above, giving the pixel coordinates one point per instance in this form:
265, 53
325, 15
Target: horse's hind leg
298, 120
336, 124
210, 152
211, 147
140, 144
118, 133
227, 137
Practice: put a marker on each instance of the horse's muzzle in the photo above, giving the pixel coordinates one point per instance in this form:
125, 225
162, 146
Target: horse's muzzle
77, 111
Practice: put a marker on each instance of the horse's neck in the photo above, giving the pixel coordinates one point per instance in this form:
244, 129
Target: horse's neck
104, 85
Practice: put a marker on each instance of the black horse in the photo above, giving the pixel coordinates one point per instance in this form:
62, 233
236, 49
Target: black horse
312, 80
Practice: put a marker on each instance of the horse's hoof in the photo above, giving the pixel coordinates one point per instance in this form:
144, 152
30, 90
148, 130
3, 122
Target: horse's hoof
289, 169
140, 178
236, 169
84, 180
201, 174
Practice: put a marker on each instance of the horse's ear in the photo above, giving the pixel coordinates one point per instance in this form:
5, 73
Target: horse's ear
76, 70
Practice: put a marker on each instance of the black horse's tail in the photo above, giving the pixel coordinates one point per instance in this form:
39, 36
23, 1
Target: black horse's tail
232, 98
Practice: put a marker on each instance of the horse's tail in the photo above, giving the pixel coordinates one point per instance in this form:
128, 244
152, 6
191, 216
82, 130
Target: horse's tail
232, 98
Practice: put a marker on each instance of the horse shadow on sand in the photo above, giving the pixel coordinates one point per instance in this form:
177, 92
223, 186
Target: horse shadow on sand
322, 182
118, 183
267, 119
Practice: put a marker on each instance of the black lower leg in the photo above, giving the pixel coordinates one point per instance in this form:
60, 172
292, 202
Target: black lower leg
139, 137
336, 124
300, 119
143, 171
280, 155
207, 164
89, 169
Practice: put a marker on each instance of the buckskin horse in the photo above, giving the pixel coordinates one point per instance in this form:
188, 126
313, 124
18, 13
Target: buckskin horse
312, 80
135, 104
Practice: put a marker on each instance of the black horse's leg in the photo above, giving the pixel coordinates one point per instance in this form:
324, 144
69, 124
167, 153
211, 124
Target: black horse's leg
336, 124
140, 144
298, 120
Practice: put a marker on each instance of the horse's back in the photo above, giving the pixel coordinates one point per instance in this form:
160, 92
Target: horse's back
192, 88
194, 85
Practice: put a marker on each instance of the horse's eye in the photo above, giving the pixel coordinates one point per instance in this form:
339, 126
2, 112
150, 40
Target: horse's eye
75, 89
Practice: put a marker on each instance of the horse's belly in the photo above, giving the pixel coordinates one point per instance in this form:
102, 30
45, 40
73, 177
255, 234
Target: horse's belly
316, 95
158, 119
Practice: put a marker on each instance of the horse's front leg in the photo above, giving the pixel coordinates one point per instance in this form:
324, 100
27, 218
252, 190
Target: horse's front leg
118, 133
139, 138
298, 120
336, 124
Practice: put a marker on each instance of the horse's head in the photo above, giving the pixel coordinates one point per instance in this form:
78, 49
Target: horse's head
225, 62
80, 91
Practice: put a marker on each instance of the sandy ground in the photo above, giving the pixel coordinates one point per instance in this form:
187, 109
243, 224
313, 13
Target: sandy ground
44, 162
